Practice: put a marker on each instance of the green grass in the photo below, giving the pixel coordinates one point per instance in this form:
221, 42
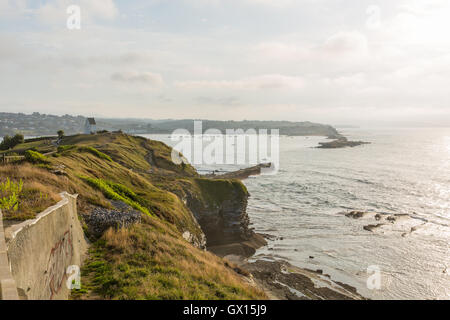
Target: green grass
24, 191
35, 157
214, 192
66, 148
150, 261
96, 153
116, 191
43, 145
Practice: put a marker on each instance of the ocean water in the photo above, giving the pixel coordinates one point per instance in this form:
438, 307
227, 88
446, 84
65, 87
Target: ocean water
402, 171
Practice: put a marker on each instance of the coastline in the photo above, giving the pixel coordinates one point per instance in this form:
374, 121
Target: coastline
278, 278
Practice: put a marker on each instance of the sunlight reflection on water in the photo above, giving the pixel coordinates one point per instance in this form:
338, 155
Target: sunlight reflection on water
401, 172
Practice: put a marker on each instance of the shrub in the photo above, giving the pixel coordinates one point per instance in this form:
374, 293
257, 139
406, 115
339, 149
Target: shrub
6, 143
109, 190
35, 157
9, 194
10, 142
65, 148
17, 139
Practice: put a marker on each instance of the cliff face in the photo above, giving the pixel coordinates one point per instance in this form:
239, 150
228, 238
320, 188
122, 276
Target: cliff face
220, 207
159, 256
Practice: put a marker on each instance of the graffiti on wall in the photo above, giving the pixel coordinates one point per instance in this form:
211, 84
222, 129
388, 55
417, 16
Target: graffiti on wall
59, 259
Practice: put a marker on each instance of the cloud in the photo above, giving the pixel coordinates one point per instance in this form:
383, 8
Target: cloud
342, 49
9, 49
218, 101
55, 12
264, 82
132, 77
251, 55
128, 58
265, 3
342, 43
104, 9
271, 3
13, 8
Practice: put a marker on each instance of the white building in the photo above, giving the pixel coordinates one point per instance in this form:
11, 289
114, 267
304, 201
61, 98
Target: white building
90, 126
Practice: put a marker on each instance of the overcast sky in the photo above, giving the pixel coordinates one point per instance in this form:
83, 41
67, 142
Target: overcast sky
334, 61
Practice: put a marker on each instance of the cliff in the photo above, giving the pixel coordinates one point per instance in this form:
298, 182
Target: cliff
220, 207
147, 218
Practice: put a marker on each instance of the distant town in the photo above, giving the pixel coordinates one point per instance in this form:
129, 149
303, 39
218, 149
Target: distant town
38, 124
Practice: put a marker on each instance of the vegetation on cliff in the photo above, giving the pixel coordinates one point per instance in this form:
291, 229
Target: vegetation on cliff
26, 191
150, 261
160, 258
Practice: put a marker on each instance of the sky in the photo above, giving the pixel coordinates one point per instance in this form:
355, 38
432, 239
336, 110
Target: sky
330, 61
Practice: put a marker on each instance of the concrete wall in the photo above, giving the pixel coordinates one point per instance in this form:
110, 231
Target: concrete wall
8, 289
41, 250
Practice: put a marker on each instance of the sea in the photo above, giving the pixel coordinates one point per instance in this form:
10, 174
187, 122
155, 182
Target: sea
403, 173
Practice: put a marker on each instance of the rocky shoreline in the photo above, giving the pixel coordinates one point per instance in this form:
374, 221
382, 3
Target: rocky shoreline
241, 174
278, 278
283, 281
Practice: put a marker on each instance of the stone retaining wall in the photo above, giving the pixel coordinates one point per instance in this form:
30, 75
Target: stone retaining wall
8, 289
41, 250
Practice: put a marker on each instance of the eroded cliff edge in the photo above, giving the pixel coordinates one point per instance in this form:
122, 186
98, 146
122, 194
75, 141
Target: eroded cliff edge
148, 219
220, 207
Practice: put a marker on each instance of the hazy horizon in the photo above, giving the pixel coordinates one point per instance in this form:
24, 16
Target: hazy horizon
370, 63
362, 124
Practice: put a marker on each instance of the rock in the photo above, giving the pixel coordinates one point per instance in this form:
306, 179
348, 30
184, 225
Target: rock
371, 227
284, 281
101, 219
391, 219
241, 174
355, 214
341, 142
223, 217
59, 170
268, 236
243, 249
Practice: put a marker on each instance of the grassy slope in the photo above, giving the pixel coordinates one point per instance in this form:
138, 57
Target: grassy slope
150, 260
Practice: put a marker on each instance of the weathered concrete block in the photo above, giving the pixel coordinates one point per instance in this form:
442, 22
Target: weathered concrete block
9, 289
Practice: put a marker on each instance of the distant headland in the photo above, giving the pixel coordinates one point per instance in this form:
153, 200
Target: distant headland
37, 124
